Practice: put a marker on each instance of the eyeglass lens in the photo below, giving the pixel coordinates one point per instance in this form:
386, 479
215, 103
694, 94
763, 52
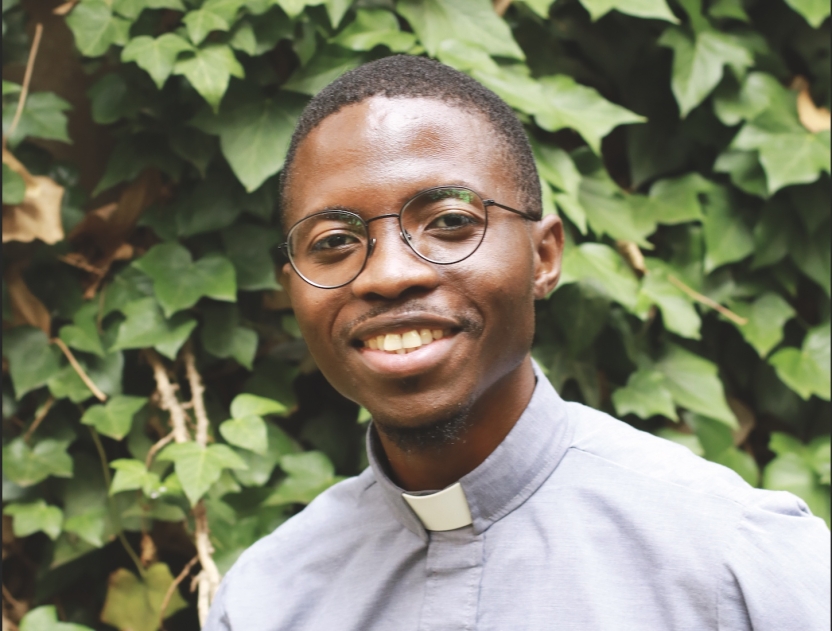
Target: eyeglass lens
442, 225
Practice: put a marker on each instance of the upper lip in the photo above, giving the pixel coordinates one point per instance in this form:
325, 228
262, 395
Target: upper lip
390, 323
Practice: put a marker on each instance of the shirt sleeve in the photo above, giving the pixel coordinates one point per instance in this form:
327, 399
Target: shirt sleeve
779, 568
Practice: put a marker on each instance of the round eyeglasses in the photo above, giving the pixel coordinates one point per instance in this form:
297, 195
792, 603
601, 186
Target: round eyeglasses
442, 225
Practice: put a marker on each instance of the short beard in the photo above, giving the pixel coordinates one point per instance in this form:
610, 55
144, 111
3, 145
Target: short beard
433, 437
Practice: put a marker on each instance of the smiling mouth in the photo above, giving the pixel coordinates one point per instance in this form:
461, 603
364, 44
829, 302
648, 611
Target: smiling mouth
404, 343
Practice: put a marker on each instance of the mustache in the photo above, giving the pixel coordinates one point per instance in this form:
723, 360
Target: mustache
469, 321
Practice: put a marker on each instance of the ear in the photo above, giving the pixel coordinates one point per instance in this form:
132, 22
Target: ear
548, 240
285, 276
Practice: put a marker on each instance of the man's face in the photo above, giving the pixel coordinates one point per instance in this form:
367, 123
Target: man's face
371, 158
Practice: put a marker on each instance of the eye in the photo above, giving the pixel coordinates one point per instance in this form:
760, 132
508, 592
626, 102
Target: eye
452, 221
333, 242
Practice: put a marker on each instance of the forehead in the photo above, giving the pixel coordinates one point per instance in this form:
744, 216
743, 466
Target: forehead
385, 150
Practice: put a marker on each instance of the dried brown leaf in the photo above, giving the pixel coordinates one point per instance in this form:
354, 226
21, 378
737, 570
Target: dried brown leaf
38, 216
26, 308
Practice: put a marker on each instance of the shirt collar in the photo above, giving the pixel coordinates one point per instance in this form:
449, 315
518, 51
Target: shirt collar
509, 476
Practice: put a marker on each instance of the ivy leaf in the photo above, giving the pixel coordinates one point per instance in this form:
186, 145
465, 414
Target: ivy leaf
247, 246
645, 395
42, 117
678, 313
202, 22
766, 317
745, 171
136, 604
14, 188
114, 418
96, 28
791, 472
222, 337
374, 27
807, 371
775, 234
133, 154
132, 475
127, 286
89, 526
213, 205
656, 9
226, 9
813, 257
698, 62
179, 282
694, 384
255, 136
727, 237
105, 372
557, 167
309, 474
248, 432
260, 467
252, 405
210, 70
112, 99
45, 618
329, 63
146, 326
195, 146
132, 8
83, 334
814, 11
155, 56
32, 359
581, 312
26, 465
199, 467
473, 21
567, 104
676, 200
601, 266
611, 211
35, 517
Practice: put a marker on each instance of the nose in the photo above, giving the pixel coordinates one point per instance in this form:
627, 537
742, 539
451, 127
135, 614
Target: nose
392, 267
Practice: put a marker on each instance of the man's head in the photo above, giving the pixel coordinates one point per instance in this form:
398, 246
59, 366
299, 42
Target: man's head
367, 144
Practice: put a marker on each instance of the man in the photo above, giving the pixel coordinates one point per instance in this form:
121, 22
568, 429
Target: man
417, 248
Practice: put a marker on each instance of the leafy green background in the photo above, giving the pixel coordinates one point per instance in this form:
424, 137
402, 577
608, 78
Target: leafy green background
671, 136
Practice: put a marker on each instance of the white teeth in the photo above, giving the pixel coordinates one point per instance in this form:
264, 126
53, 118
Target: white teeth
392, 342
411, 339
402, 343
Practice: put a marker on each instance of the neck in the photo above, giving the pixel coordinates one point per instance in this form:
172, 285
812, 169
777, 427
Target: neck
489, 421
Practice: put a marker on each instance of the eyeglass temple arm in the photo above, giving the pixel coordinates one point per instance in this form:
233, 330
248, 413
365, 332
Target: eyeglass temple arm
525, 215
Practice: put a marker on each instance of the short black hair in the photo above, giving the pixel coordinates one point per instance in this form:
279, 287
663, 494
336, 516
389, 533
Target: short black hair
408, 76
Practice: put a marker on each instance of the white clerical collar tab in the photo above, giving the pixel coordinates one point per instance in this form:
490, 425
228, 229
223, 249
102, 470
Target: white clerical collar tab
445, 510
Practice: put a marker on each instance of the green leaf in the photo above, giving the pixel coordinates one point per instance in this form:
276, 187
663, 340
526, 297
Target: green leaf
35, 517
146, 326
210, 70
96, 28
248, 246
568, 104
698, 62
374, 27
223, 338
26, 466
760, 91
136, 604
46, 619
611, 211
155, 56
43, 117
112, 99
32, 359
787, 158
260, 467
248, 432
127, 286
255, 136
243, 38
730, 9
656, 9
132, 155
202, 22
813, 256
601, 266
676, 200
645, 395
745, 171
199, 467
195, 146
105, 372
807, 371
132, 475
678, 313
114, 418
89, 526
472, 21
14, 188
694, 384
727, 237
179, 282
814, 11
83, 334
691, 441
213, 205
581, 312
790, 472
336, 10
245, 405
329, 63
309, 474
226, 9
133, 8
557, 167
766, 317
